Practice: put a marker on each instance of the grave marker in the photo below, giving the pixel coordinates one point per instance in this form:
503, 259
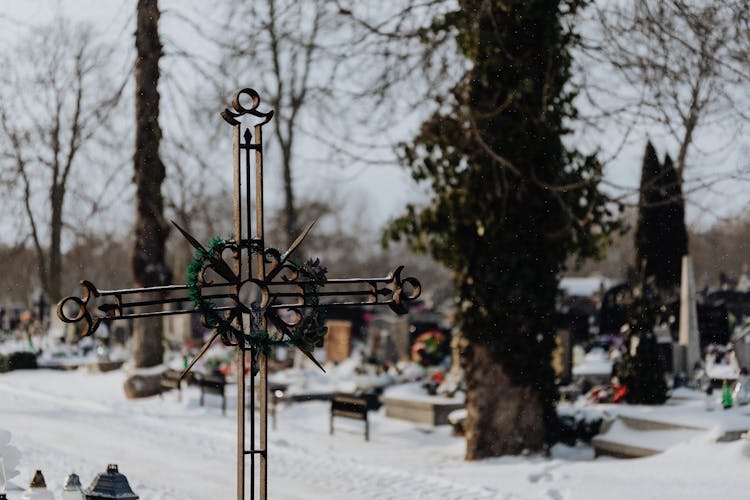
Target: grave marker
260, 289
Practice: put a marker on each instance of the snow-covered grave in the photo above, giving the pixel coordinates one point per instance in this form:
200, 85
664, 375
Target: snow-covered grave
410, 402
639, 430
76, 421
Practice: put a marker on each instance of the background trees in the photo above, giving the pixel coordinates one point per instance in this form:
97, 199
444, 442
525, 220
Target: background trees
287, 44
509, 203
679, 69
55, 111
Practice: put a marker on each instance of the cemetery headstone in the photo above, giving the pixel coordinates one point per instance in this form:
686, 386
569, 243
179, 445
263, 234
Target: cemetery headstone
338, 340
562, 356
689, 338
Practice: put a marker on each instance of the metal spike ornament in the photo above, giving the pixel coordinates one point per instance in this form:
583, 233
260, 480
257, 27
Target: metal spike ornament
253, 297
303, 328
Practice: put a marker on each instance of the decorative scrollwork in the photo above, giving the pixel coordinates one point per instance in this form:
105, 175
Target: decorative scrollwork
82, 309
293, 324
231, 116
401, 296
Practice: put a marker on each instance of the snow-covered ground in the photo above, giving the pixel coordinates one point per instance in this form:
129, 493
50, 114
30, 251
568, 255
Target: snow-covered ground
76, 421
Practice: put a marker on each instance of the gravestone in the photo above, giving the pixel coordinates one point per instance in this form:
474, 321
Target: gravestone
338, 341
562, 356
689, 337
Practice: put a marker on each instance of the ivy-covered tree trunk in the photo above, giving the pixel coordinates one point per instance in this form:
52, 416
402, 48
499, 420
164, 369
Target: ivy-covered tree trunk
149, 267
506, 418
510, 204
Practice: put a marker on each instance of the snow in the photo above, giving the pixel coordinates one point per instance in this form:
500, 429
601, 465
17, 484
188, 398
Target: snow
651, 440
415, 392
595, 362
584, 286
79, 422
689, 414
341, 377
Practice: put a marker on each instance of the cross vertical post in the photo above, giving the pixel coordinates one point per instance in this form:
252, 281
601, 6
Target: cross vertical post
249, 243
237, 204
260, 275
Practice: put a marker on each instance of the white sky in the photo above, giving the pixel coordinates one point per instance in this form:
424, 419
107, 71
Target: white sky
381, 192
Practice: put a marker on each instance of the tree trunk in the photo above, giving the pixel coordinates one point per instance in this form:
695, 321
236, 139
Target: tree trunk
54, 277
149, 266
503, 419
290, 212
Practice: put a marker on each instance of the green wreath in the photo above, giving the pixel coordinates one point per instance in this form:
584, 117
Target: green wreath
305, 334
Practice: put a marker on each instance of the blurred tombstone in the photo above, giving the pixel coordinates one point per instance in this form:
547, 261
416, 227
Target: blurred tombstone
10, 457
562, 356
689, 338
666, 348
398, 335
613, 310
380, 343
178, 328
741, 341
120, 333
57, 329
338, 341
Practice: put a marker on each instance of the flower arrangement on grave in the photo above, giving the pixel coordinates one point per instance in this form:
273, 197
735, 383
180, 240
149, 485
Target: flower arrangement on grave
453, 382
218, 362
433, 382
294, 326
430, 348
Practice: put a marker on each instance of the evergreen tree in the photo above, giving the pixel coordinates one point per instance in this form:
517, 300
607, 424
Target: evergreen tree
642, 368
661, 236
510, 203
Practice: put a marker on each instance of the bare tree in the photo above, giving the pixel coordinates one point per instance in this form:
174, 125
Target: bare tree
56, 96
673, 67
292, 47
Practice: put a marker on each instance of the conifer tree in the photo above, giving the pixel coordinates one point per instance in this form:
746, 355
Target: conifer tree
510, 203
661, 236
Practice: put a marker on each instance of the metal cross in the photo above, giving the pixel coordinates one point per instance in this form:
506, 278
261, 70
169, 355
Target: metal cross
254, 297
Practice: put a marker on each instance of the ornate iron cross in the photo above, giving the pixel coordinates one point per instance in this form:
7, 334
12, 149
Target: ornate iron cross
258, 298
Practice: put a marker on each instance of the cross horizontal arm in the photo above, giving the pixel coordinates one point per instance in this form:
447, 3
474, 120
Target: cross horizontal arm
392, 291
96, 305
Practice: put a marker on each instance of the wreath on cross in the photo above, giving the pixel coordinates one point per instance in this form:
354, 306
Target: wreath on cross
304, 331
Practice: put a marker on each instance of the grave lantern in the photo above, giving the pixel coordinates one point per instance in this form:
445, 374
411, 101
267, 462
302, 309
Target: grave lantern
38, 489
72, 489
109, 485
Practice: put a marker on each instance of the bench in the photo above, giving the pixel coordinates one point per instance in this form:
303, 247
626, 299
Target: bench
212, 384
170, 379
350, 406
277, 396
